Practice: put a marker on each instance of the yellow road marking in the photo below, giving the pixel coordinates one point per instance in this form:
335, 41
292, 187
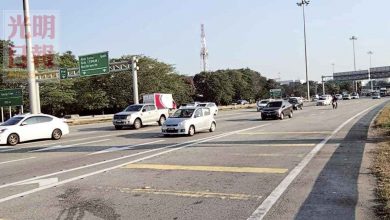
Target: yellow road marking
263, 145
286, 132
272, 155
207, 168
193, 194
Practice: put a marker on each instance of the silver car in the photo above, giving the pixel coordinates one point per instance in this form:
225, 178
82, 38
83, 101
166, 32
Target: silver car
188, 121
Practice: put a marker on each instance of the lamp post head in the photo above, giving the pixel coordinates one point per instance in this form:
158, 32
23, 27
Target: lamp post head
353, 38
303, 2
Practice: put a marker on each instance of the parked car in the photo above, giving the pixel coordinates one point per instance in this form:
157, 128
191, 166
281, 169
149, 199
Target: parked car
188, 121
262, 103
211, 105
138, 115
242, 102
28, 127
347, 97
355, 95
376, 95
277, 110
324, 100
339, 96
296, 103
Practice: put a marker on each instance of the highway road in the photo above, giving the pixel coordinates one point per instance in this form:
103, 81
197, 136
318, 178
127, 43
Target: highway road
306, 167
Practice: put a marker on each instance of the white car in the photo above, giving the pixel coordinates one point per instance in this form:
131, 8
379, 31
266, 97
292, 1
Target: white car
376, 95
324, 100
262, 103
21, 128
355, 96
211, 105
188, 121
339, 96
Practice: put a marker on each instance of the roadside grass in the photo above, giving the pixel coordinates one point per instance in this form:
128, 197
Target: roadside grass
381, 165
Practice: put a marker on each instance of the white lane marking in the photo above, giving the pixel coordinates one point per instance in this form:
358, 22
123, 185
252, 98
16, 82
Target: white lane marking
41, 182
267, 204
123, 164
67, 146
99, 163
11, 161
113, 149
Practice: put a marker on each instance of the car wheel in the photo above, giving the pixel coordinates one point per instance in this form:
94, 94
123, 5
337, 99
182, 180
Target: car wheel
281, 116
13, 139
137, 123
191, 131
291, 114
161, 120
56, 134
212, 127
118, 127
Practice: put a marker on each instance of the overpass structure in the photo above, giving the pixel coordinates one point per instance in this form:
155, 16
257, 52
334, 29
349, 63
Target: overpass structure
375, 73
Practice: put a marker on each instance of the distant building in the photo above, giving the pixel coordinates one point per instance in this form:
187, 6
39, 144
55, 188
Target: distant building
288, 82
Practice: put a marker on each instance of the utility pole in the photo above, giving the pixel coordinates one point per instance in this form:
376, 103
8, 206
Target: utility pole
333, 68
204, 53
134, 69
323, 85
369, 71
353, 39
302, 4
32, 91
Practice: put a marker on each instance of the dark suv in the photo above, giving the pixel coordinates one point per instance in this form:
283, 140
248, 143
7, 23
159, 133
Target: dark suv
277, 110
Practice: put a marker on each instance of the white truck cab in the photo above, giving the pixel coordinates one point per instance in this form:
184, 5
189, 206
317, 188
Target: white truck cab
138, 115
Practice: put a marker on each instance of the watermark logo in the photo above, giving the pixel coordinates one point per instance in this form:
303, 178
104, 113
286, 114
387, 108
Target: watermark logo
44, 33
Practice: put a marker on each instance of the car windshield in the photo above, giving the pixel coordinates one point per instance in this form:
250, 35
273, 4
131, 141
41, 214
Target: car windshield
183, 113
322, 98
12, 121
274, 104
202, 105
293, 100
264, 102
345, 95
133, 108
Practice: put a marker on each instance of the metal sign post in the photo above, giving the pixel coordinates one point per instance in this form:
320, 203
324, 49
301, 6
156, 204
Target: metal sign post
2, 114
10, 111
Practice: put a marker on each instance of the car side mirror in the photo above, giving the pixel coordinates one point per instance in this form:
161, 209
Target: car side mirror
143, 110
283, 106
23, 124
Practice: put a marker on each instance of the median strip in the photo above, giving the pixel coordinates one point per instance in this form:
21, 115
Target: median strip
207, 168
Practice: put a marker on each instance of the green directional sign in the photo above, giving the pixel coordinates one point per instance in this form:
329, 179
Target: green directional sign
275, 93
11, 97
63, 73
94, 64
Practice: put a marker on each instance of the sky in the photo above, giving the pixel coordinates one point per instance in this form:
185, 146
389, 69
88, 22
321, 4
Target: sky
263, 35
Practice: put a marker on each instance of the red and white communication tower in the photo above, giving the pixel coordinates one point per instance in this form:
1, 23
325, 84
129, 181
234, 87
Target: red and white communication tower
204, 53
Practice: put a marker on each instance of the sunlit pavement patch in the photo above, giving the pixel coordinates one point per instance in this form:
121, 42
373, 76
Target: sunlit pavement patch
192, 194
208, 168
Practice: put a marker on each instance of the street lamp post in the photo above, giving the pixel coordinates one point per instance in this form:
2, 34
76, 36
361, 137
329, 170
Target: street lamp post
353, 38
302, 4
369, 71
32, 91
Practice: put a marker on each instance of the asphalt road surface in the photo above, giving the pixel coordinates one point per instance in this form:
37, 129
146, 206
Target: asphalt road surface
306, 167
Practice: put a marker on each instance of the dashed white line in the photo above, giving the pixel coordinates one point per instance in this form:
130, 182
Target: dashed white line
11, 161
